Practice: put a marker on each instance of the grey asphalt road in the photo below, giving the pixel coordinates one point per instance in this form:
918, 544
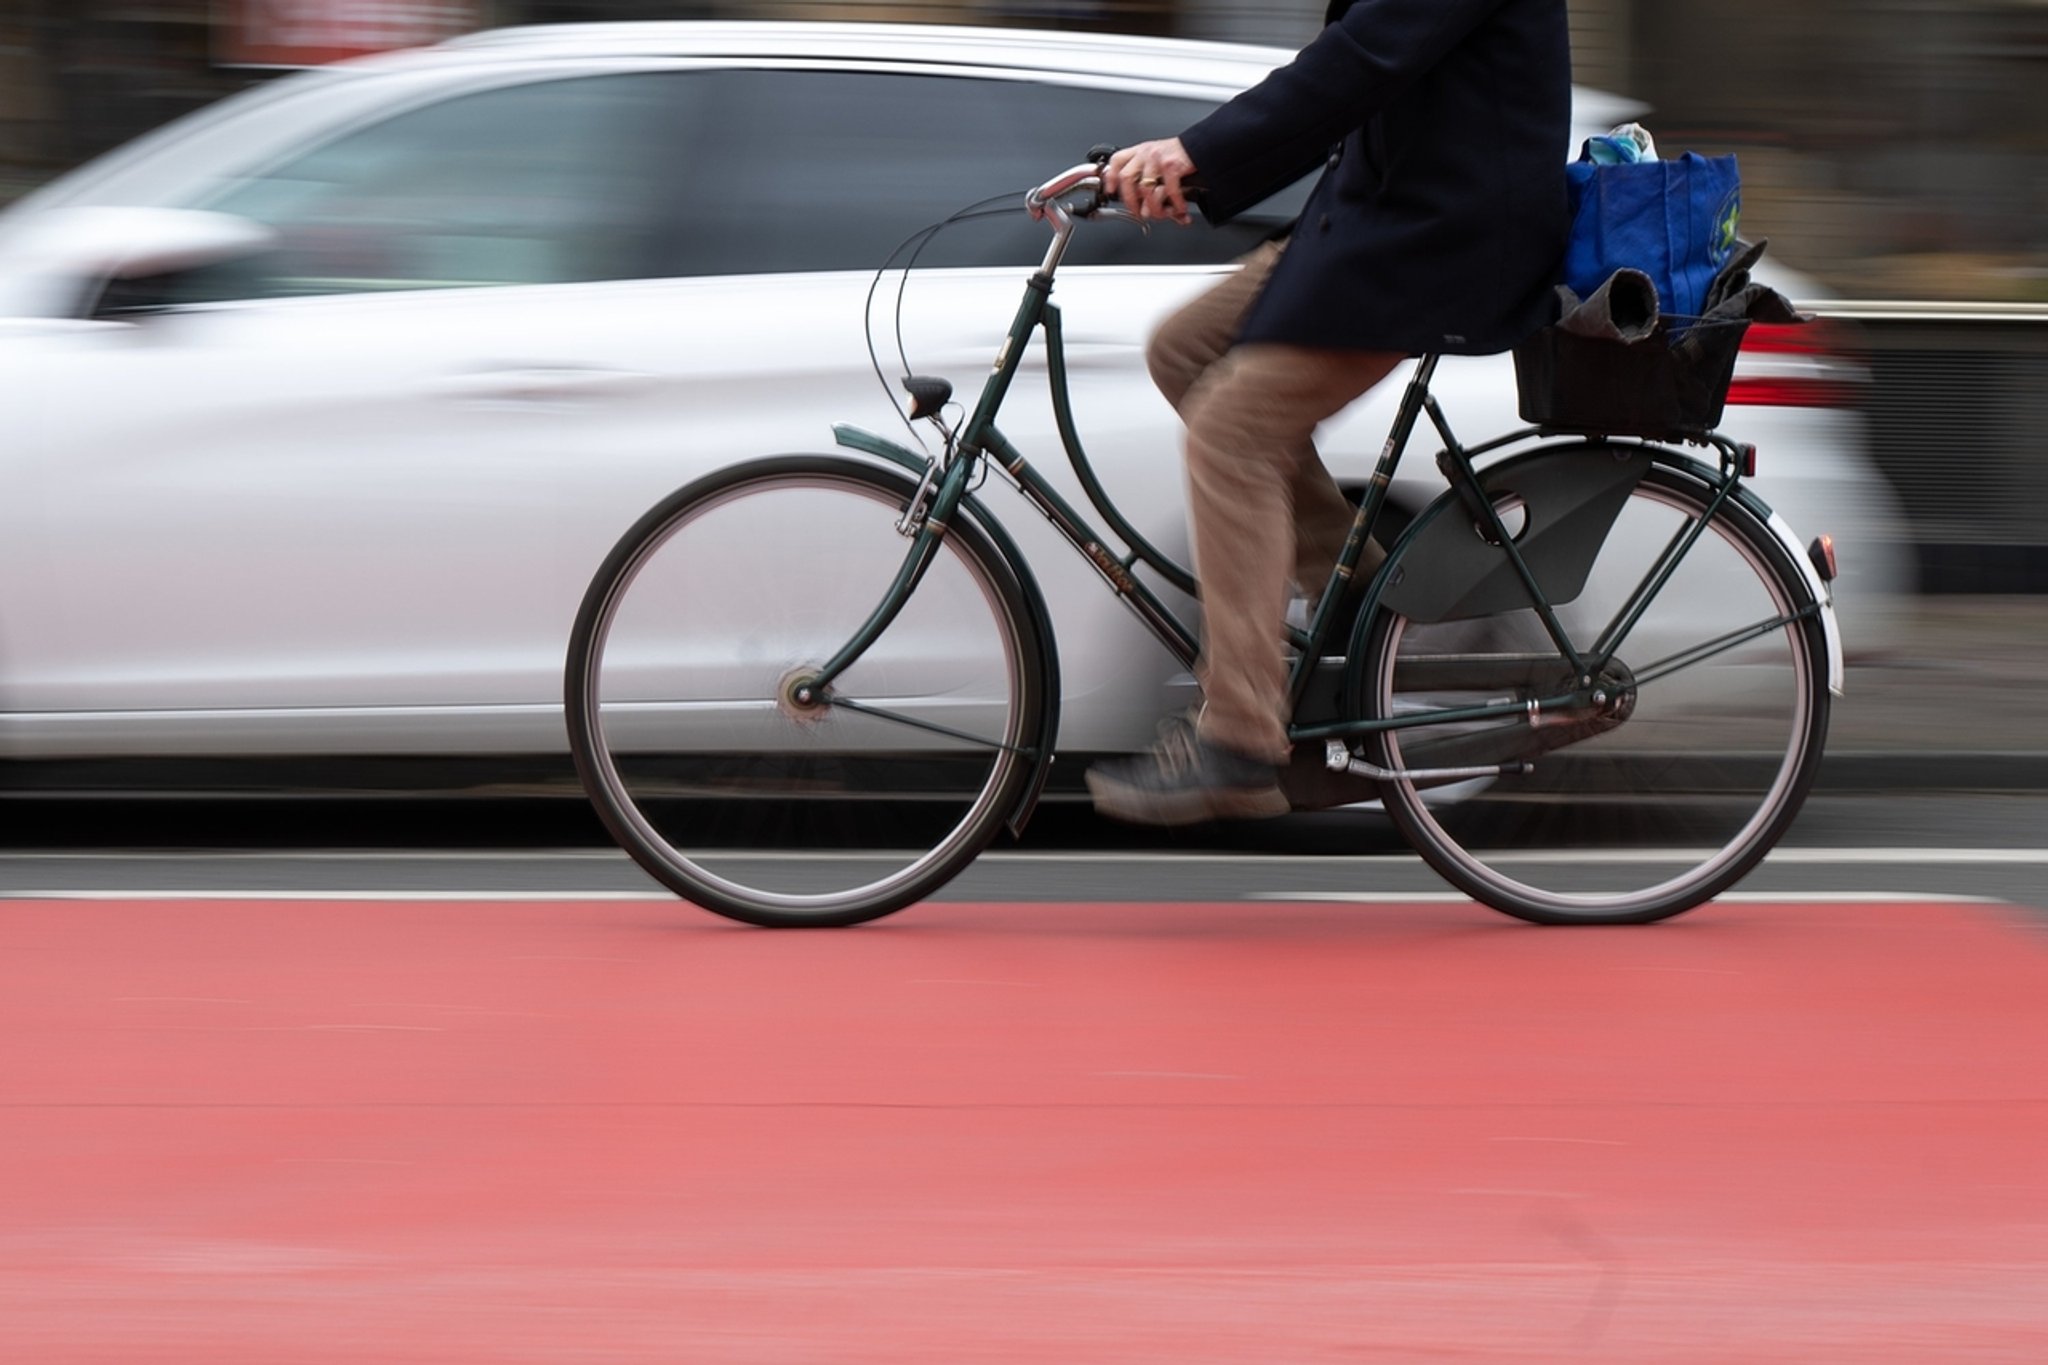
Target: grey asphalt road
1870, 847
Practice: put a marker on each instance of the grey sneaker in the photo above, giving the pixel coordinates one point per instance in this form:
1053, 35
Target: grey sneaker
1183, 780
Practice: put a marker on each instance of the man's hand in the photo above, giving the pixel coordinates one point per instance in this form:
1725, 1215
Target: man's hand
1148, 176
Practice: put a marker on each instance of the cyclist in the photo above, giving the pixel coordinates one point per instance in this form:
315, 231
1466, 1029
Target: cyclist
1438, 225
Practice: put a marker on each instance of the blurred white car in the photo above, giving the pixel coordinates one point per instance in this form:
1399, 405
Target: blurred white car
342, 493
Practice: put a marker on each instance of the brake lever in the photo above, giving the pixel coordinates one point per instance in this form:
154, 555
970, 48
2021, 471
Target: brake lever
1114, 208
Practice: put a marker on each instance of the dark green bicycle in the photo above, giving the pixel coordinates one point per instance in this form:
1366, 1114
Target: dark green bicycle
1590, 683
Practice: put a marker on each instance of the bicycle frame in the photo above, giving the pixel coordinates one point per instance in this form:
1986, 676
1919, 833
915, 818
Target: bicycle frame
948, 480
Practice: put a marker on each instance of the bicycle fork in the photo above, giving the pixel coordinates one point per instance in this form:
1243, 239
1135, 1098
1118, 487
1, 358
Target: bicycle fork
937, 498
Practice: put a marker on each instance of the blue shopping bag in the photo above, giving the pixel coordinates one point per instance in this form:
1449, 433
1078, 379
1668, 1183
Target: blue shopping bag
1673, 220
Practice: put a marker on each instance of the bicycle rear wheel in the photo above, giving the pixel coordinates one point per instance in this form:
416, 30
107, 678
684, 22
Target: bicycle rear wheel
1658, 799
726, 785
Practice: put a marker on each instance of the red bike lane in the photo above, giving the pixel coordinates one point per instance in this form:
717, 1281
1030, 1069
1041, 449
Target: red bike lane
316, 1131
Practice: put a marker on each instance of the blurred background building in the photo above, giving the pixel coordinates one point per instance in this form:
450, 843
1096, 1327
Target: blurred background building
1891, 149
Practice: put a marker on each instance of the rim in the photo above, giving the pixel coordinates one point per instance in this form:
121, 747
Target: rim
1734, 852
692, 869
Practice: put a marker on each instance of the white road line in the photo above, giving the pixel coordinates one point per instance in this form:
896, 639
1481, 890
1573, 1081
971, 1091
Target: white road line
1364, 897
1888, 855
658, 898
339, 855
324, 894
1853, 898
1726, 898
1899, 856
1808, 857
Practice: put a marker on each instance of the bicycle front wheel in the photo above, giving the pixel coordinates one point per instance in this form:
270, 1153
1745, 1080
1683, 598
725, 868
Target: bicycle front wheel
1674, 785
741, 789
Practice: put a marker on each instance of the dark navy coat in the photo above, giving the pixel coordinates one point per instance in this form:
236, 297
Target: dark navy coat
1440, 222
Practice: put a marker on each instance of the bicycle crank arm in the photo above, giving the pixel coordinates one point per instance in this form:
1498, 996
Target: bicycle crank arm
1338, 757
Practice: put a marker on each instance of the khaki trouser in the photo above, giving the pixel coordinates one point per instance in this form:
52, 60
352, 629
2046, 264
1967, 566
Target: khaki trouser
1261, 506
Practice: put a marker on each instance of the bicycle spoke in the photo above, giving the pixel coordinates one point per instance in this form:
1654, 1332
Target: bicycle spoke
930, 727
1700, 653
1680, 545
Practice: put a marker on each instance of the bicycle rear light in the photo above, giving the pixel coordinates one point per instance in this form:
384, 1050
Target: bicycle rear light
1822, 553
1793, 366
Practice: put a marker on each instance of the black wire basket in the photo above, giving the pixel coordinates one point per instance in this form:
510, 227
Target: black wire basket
1663, 387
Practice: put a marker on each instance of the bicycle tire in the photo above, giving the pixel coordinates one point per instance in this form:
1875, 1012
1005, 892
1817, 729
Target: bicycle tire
1701, 770
684, 726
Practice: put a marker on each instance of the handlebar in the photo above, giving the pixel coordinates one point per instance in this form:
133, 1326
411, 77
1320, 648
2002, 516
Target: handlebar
1077, 193
1083, 182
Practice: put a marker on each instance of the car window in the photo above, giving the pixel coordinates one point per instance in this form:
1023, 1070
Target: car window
543, 183
830, 170
708, 172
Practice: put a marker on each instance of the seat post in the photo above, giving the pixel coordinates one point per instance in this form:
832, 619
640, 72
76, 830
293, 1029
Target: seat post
1367, 519
1413, 398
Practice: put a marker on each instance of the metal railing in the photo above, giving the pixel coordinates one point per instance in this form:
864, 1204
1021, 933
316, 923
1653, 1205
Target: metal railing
1958, 414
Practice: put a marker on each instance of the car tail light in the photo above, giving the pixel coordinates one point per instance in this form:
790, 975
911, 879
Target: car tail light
1794, 366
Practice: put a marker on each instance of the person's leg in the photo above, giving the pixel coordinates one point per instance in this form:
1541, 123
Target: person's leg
1252, 472
1254, 478
1181, 352
1196, 335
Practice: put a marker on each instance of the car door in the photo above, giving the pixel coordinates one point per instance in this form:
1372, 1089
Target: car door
312, 499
